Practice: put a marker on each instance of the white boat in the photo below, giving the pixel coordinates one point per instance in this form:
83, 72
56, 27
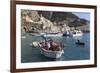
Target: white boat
50, 53
76, 33
51, 34
35, 34
23, 37
66, 33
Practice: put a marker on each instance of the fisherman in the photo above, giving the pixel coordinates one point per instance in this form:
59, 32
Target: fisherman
78, 41
48, 45
51, 41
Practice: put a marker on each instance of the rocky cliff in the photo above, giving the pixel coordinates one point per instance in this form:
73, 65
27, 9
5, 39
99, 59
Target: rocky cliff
51, 21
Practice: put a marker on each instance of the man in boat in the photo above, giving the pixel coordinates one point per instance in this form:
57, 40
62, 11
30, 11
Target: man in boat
50, 41
51, 45
54, 45
44, 43
78, 41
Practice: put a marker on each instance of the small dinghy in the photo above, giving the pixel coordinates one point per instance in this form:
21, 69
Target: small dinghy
80, 43
55, 52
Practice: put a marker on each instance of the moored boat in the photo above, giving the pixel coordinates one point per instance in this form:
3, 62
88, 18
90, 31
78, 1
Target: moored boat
51, 34
35, 34
66, 33
76, 33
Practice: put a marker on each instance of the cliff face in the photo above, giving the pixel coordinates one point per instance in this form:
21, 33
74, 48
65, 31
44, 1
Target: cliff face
46, 20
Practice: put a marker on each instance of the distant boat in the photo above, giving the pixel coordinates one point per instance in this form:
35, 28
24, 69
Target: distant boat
23, 37
51, 34
66, 33
35, 34
50, 53
76, 33
80, 43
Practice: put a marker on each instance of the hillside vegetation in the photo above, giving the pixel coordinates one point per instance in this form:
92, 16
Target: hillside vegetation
48, 21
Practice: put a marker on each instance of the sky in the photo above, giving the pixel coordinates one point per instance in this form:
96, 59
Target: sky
83, 15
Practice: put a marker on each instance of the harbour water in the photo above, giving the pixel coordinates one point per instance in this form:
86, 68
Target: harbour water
71, 50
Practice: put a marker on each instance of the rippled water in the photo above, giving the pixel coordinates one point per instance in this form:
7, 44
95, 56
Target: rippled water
71, 50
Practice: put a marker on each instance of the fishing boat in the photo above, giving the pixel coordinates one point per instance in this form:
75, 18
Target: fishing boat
76, 33
51, 34
66, 33
50, 53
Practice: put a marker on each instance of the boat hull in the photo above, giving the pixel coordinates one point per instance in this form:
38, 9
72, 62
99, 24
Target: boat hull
51, 34
52, 54
74, 35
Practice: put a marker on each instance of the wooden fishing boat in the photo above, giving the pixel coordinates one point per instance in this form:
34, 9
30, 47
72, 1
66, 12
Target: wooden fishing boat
50, 53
